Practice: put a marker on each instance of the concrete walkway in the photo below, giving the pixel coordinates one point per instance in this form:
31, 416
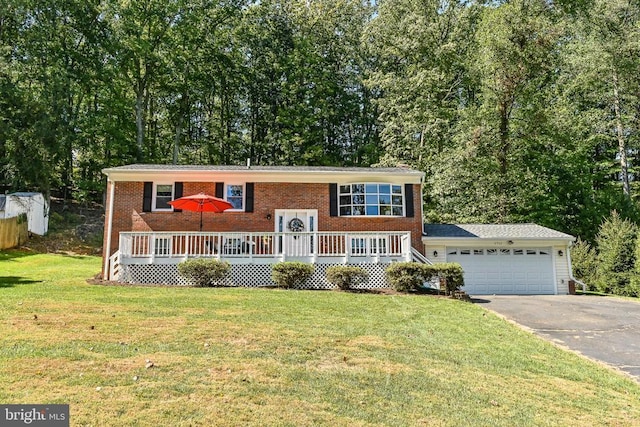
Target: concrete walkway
601, 328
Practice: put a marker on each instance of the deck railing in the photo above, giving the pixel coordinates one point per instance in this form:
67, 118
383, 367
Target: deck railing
281, 246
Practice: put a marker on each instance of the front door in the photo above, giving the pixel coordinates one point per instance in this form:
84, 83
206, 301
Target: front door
298, 228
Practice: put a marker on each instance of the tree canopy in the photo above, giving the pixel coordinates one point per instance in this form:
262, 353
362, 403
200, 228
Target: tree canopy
519, 110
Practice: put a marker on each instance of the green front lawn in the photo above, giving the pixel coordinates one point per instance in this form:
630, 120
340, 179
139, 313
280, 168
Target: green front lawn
281, 357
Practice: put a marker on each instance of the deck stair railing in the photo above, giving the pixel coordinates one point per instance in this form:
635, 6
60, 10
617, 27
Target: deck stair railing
114, 266
418, 257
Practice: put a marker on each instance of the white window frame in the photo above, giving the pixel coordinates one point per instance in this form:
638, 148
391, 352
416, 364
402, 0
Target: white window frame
155, 194
364, 194
244, 195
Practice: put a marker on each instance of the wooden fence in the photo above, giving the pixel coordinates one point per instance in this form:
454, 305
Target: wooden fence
13, 231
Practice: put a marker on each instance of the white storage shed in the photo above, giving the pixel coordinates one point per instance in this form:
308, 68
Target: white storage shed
33, 204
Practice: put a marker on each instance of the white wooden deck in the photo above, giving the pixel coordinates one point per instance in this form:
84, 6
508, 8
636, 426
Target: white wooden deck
264, 248
150, 257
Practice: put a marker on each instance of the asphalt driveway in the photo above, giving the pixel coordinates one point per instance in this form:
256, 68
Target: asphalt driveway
601, 328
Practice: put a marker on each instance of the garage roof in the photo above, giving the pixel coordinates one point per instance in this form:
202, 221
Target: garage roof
494, 231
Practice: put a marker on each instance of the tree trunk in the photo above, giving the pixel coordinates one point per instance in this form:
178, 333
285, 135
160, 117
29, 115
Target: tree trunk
504, 188
183, 108
140, 121
503, 150
176, 141
622, 146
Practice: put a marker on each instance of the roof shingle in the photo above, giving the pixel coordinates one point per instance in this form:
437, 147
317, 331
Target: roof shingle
494, 231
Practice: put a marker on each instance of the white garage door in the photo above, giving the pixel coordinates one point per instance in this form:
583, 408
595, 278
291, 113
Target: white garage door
515, 271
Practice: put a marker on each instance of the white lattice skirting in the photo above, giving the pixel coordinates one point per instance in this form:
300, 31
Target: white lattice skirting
248, 275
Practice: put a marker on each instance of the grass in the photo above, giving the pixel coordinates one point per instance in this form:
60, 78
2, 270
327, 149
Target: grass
256, 357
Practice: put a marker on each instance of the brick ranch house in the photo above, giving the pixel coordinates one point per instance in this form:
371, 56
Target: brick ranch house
327, 216
324, 215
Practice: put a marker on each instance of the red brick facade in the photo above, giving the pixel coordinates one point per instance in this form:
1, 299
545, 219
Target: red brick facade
128, 212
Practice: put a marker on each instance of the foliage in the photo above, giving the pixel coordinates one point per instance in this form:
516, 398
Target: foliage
410, 276
584, 261
290, 274
450, 274
616, 242
202, 272
21, 218
525, 110
406, 276
418, 48
633, 288
345, 277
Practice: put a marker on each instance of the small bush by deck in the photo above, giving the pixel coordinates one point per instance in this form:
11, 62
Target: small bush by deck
410, 276
345, 277
290, 274
204, 272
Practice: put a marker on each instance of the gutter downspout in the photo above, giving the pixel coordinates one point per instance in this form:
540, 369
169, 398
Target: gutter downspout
112, 191
584, 286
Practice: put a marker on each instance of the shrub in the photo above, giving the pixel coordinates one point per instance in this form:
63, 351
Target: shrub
616, 241
406, 276
204, 272
289, 274
633, 288
344, 277
450, 274
410, 276
584, 263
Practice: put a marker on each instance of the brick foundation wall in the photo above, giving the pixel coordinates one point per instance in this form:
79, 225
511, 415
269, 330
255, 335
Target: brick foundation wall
128, 214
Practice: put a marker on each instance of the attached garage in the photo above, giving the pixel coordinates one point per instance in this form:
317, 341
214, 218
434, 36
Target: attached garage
507, 259
506, 270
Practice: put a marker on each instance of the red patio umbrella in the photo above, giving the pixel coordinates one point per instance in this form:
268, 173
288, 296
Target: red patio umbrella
201, 203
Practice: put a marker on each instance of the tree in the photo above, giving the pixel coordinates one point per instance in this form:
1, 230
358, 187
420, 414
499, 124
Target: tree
419, 48
142, 30
489, 173
305, 100
603, 79
616, 243
584, 262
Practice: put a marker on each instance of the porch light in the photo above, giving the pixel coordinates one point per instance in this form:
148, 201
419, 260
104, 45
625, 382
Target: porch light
435, 254
560, 253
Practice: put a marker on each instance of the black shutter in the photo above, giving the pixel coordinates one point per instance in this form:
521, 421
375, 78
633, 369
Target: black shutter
220, 190
408, 197
333, 199
248, 197
177, 193
147, 197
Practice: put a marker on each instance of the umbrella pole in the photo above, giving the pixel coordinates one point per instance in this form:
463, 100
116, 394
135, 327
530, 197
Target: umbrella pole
201, 209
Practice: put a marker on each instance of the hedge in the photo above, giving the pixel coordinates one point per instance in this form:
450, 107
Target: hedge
345, 277
289, 274
410, 276
203, 272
